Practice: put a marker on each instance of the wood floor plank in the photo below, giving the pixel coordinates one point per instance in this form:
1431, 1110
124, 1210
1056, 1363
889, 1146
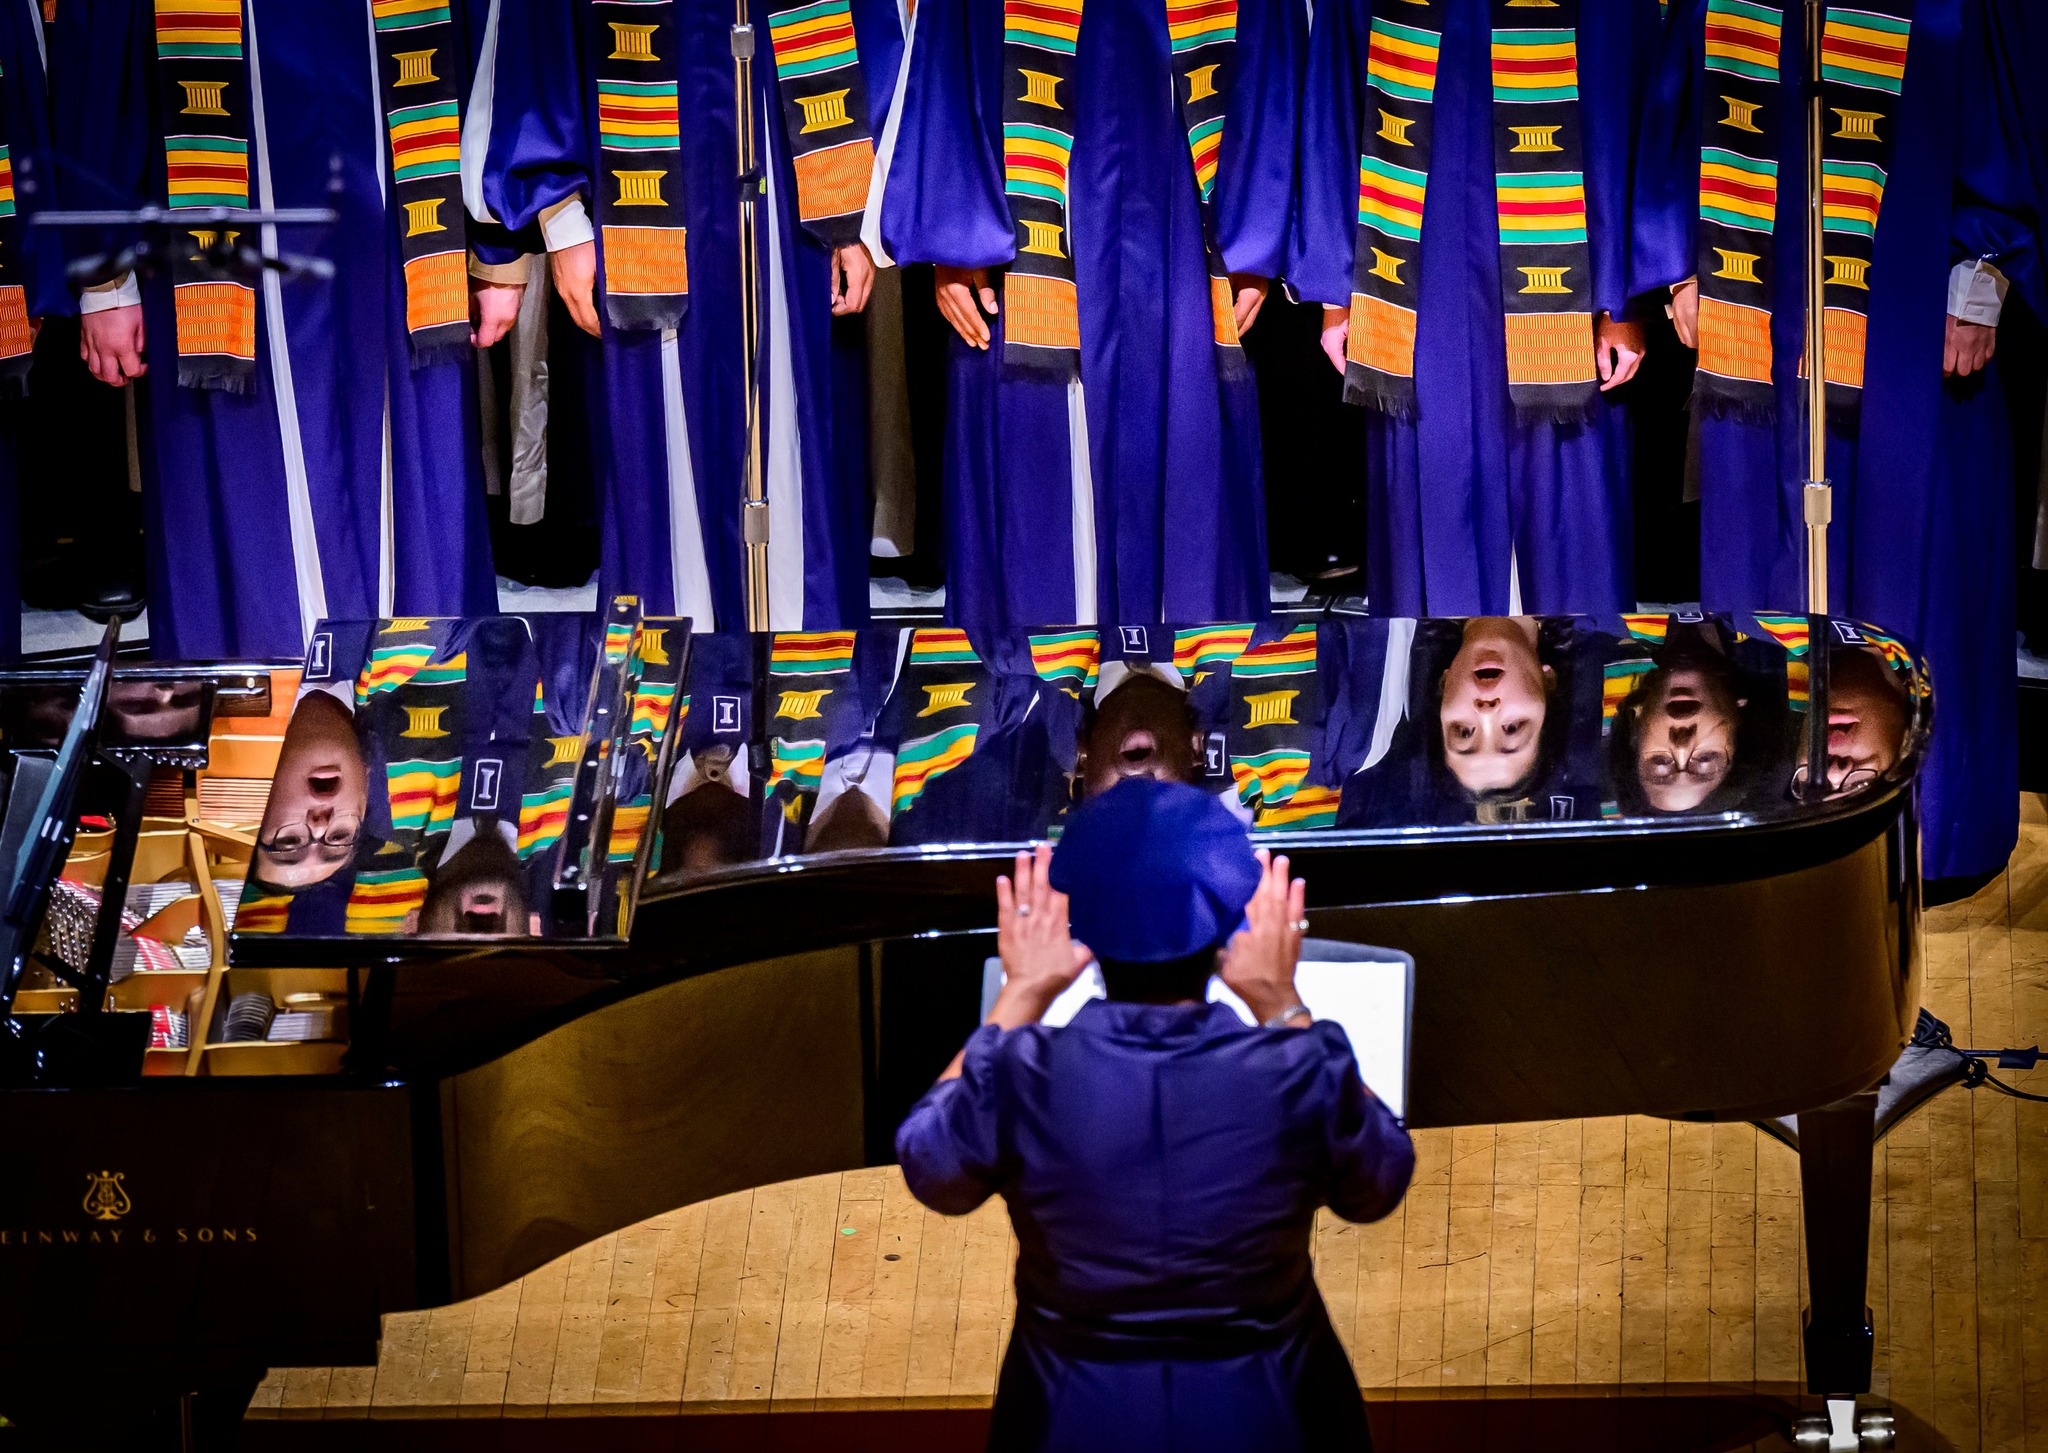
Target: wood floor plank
1597, 1355
707, 1369
1376, 1335
672, 1304
764, 1278
892, 1299
935, 1311
1731, 1293
1909, 1265
806, 1289
1468, 1272
1689, 1257
984, 1299
1511, 1285
854, 1254
1646, 1194
2001, 1371
622, 1344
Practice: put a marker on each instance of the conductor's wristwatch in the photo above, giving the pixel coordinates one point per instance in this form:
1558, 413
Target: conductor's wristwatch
1280, 1020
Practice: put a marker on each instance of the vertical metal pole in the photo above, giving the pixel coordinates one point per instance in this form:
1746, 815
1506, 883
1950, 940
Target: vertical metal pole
1818, 496
754, 511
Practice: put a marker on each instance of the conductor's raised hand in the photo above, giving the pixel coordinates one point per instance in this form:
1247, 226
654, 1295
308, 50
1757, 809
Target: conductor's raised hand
1040, 958
967, 301
1258, 964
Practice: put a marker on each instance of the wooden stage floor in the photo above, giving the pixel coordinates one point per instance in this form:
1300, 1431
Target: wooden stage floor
1626, 1282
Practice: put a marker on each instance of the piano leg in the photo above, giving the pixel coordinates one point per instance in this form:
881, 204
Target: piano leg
1835, 1144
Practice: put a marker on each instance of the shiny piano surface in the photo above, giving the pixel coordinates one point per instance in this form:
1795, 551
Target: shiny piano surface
1649, 865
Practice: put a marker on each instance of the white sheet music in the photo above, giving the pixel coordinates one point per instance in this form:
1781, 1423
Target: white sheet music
1368, 1000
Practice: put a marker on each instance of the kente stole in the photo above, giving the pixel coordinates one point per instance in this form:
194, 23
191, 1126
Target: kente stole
1275, 700
639, 181
1540, 204
203, 83
942, 689
808, 672
1041, 308
416, 78
825, 115
1863, 68
14, 330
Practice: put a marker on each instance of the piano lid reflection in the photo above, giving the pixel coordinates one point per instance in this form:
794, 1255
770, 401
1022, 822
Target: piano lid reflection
754, 983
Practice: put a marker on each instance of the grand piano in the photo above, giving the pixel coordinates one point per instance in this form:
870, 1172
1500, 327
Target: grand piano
377, 980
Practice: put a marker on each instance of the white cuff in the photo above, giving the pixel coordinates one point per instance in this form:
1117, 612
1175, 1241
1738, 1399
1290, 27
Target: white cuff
566, 224
124, 292
1976, 292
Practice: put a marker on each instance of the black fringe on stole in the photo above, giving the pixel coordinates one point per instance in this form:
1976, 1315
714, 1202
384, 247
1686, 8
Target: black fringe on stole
14, 376
1709, 404
642, 314
1574, 415
207, 373
442, 345
1374, 395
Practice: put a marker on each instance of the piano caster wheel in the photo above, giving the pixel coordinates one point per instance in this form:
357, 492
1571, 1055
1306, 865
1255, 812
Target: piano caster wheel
1843, 1428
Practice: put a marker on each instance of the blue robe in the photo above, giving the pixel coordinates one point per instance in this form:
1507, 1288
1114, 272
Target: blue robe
1163, 1165
1136, 494
1921, 540
345, 482
1463, 501
669, 433
40, 273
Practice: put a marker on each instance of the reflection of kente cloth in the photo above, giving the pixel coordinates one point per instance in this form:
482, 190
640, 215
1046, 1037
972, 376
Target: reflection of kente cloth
1921, 539
345, 482
1466, 500
983, 744
1162, 1166
1146, 503
668, 418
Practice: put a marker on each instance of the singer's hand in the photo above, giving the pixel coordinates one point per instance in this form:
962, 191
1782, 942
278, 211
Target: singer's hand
853, 276
111, 343
964, 296
1336, 335
1617, 351
1248, 294
493, 309
1685, 312
1966, 348
574, 270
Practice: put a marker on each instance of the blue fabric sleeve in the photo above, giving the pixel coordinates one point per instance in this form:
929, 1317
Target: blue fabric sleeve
1325, 229
1255, 170
949, 1145
1618, 41
944, 201
41, 272
1371, 1156
1663, 242
100, 114
539, 149
1997, 214
878, 36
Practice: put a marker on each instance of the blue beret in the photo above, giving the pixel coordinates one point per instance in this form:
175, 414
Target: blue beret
1154, 871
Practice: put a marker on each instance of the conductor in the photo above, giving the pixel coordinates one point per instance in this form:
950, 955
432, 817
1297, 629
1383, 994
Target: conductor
1162, 1161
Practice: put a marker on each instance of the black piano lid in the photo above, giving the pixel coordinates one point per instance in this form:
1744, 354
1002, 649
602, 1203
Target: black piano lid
885, 775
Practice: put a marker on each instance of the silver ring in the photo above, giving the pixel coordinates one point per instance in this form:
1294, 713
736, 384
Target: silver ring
1301, 925
1023, 910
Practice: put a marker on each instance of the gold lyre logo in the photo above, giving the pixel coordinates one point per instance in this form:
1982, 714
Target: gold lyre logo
802, 705
565, 750
1395, 128
1532, 4
1535, 138
1543, 279
1201, 83
1044, 237
1741, 115
1271, 708
105, 1200
1848, 271
632, 42
654, 645
397, 625
206, 237
640, 189
415, 68
1857, 125
423, 216
423, 721
202, 98
1040, 88
1738, 267
822, 113
946, 698
1386, 265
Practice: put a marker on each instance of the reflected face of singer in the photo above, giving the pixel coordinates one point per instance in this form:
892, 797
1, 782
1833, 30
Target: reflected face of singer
320, 784
1141, 729
1685, 739
1866, 720
1496, 696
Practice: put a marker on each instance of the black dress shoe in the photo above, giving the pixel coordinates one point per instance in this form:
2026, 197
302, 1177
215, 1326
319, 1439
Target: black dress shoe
112, 602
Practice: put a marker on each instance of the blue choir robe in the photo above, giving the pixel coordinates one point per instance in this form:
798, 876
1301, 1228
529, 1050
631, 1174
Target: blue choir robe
1163, 1165
40, 272
1469, 510
344, 482
1921, 540
1134, 493
669, 432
